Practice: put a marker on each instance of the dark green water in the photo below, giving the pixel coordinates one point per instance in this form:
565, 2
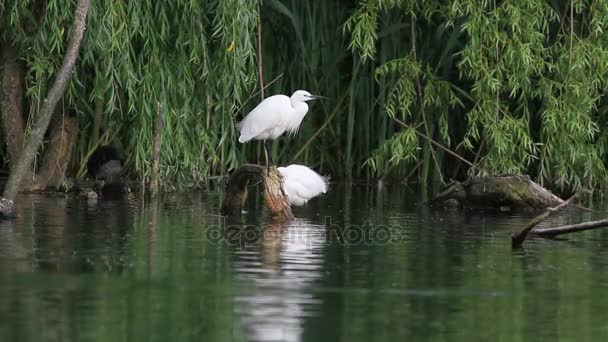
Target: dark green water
357, 265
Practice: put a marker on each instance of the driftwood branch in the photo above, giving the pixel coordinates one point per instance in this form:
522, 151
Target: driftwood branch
519, 238
571, 228
24, 162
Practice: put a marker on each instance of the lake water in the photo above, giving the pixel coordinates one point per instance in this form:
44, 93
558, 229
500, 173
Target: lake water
358, 264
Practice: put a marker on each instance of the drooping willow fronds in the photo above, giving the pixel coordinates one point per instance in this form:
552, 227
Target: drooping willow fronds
530, 79
517, 86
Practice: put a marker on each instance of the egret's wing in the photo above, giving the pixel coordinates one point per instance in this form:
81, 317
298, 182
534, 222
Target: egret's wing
314, 184
263, 118
301, 183
291, 191
309, 178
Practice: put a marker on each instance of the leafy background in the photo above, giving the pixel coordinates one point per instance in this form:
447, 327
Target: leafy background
512, 86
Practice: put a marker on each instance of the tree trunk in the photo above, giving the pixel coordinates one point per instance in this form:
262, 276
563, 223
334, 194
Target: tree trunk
24, 162
57, 155
11, 92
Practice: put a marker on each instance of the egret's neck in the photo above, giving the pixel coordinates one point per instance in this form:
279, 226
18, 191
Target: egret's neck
300, 110
300, 107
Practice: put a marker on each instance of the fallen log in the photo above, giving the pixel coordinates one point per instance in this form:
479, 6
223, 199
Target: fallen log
570, 228
517, 191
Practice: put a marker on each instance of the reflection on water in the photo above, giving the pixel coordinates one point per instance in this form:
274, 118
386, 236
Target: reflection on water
278, 273
358, 264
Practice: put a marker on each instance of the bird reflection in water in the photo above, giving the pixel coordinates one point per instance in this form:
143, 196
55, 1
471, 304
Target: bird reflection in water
276, 268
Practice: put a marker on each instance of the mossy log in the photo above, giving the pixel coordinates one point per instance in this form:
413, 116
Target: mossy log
517, 191
236, 191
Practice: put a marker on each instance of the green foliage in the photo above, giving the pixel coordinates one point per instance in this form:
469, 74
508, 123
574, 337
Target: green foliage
195, 61
531, 74
514, 86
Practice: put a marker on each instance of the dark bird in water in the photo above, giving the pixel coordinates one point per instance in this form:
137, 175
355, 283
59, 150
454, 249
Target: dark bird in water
105, 165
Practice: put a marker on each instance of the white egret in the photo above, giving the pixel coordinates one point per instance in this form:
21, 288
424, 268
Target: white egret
274, 116
300, 184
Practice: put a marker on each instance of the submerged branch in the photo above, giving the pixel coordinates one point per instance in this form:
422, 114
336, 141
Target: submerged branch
519, 238
571, 228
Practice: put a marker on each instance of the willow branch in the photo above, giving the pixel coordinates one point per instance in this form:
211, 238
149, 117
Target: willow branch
434, 142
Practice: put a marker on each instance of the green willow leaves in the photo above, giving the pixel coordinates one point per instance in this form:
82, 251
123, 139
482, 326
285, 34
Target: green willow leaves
195, 60
513, 85
527, 96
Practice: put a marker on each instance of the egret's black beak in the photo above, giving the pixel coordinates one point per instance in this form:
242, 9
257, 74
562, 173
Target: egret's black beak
316, 97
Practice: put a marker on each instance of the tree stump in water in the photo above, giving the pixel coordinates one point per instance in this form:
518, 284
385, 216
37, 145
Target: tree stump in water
517, 191
236, 191
273, 194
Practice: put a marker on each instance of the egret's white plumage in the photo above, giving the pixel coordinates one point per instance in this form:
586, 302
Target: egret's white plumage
300, 184
274, 116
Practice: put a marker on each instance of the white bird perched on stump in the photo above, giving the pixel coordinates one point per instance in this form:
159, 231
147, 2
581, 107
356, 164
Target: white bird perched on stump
300, 184
274, 116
